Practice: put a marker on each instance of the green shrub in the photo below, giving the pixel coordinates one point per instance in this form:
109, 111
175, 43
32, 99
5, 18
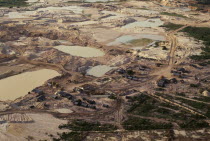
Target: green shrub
13, 3
70, 136
173, 14
194, 124
81, 125
134, 123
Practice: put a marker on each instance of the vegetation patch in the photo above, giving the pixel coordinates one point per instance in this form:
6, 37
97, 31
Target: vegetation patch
81, 125
13, 3
141, 105
203, 98
145, 106
171, 26
194, 124
194, 104
173, 14
134, 123
70, 136
140, 42
78, 128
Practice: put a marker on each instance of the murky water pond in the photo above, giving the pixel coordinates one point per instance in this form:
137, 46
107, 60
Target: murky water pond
147, 23
99, 71
80, 51
128, 38
19, 85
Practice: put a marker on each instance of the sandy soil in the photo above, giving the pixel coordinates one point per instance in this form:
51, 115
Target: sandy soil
43, 126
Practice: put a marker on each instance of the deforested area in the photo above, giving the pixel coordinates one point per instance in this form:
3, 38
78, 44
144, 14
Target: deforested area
104, 70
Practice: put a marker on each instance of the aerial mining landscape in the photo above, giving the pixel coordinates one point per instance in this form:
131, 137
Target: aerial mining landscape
104, 70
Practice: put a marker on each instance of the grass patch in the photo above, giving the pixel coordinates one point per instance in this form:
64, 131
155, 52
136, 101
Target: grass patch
140, 42
112, 96
78, 127
194, 124
13, 3
173, 14
171, 26
134, 123
70, 136
202, 98
81, 125
146, 106
194, 104
194, 85
141, 105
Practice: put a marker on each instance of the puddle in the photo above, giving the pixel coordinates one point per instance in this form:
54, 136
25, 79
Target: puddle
128, 38
80, 51
147, 23
19, 85
99, 71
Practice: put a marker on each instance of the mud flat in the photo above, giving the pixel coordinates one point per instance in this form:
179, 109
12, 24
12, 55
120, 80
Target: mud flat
20, 15
147, 23
29, 14
80, 51
19, 85
64, 110
99, 71
128, 38
75, 9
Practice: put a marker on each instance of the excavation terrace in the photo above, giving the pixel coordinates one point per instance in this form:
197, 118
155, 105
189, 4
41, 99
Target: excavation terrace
120, 68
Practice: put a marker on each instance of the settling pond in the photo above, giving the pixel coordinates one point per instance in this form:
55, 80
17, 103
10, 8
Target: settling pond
128, 38
19, 85
148, 23
99, 71
80, 51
